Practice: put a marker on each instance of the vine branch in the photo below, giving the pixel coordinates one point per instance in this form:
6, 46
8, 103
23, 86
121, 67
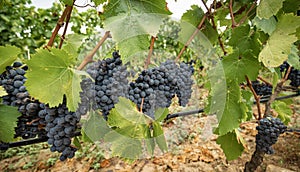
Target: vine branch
247, 13
277, 90
66, 27
148, 60
256, 97
191, 38
233, 25
89, 58
59, 24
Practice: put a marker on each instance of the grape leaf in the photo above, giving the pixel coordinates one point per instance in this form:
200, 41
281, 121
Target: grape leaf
234, 110
123, 146
230, 145
72, 43
51, 76
243, 41
2, 91
291, 6
132, 22
293, 58
95, 127
159, 136
190, 21
161, 114
8, 121
235, 65
127, 120
8, 55
278, 46
283, 110
266, 25
268, 8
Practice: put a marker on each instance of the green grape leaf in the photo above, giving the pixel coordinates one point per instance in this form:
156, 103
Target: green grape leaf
123, 146
161, 114
234, 110
2, 91
266, 25
278, 46
230, 145
76, 142
159, 137
293, 58
51, 76
127, 120
150, 142
247, 95
8, 55
95, 127
283, 110
243, 41
268, 8
72, 43
8, 121
291, 6
98, 2
190, 21
137, 19
235, 65
131, 46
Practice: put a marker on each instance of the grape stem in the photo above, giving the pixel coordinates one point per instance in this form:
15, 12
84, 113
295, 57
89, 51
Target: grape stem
89, 58
191, 38
59, 24
256, 97
148, 60
62, 38
247, 13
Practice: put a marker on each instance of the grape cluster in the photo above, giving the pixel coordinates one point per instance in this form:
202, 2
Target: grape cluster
269, 130
110, 82
156, 87
61, 125
13, 80
294, 75
261, 89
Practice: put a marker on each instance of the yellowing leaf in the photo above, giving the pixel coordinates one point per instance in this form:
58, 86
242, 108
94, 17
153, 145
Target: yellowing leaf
279, 45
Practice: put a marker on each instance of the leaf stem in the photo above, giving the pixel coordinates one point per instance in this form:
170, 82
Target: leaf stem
191, 38
89, 58
256, 97
148, 60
